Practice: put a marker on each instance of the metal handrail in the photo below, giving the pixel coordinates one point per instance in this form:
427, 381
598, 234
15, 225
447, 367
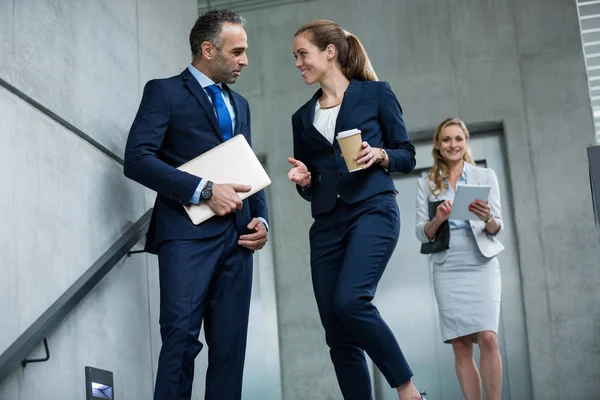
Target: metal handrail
16, 353
59, 120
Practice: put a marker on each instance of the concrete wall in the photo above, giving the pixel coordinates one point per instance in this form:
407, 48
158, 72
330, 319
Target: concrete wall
519, 62
64, 202
516, 61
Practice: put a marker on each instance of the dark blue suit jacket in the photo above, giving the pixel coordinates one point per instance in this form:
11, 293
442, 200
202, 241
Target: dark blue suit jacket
175, 123
371, 107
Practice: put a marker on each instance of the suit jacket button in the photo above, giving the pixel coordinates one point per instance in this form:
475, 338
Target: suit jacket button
335, 171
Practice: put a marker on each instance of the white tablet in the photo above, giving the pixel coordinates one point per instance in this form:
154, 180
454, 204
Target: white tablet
465, 195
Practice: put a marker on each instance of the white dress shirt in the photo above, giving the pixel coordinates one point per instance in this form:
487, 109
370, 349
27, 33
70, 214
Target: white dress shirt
325, 119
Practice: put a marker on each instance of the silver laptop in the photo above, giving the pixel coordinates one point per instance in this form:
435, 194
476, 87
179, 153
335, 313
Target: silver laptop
232, 161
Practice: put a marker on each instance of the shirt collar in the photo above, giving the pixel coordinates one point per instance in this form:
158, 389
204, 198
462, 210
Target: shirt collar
202, 79
463, 174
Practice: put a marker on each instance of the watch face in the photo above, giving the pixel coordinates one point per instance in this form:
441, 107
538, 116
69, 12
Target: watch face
206, 193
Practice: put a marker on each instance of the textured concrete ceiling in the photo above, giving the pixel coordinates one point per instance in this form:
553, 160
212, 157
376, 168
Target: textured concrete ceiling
243, 5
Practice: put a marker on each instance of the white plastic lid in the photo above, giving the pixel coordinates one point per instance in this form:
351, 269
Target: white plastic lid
345, 134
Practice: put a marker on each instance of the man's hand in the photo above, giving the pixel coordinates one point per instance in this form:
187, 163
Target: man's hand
257, 239
225, 198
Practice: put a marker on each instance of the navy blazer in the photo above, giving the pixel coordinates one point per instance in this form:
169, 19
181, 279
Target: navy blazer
175, 123
371, 107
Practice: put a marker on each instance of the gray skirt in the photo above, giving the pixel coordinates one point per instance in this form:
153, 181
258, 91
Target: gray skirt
467, 288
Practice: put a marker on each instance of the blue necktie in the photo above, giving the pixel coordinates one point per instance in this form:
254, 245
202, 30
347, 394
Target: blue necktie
222, 111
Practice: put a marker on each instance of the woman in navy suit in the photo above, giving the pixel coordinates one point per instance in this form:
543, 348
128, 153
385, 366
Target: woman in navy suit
357, 221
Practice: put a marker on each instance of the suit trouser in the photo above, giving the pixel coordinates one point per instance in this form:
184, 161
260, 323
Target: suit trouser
208, 279
350, 248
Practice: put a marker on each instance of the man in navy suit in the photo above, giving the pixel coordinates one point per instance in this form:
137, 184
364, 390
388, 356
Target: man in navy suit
205, 270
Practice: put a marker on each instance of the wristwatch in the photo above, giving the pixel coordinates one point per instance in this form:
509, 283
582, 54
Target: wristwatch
489, 219
383, 156
206, 193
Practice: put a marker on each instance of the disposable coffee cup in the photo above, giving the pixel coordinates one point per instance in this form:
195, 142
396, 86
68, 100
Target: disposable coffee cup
351, 144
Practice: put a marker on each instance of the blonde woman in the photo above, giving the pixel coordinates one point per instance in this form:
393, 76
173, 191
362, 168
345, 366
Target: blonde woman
466, 275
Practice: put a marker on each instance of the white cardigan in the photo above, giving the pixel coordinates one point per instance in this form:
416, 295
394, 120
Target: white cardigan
488, 244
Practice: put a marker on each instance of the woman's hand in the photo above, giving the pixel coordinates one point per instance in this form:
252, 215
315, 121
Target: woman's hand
441, 215
368, 155
481, 209
443, 211
299, 174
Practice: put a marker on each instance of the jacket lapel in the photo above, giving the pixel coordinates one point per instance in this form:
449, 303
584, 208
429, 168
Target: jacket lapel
309, 112
309, 116
472, 176
351, 98
233, 97
202, 98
